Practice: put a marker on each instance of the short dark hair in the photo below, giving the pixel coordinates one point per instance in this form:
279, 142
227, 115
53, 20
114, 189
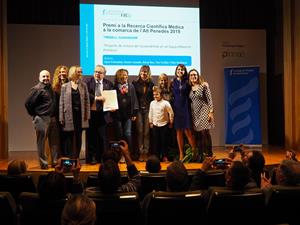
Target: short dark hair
257, 161
239, 175
153, 164
16, 167
53, 187
177, 177
109, 177
111, 154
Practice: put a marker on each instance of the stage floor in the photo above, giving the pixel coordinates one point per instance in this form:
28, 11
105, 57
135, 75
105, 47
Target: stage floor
273, 155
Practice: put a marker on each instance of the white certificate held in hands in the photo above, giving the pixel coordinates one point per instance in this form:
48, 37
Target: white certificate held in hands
111, 100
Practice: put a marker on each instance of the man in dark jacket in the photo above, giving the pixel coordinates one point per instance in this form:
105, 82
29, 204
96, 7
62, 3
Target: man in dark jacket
96, 133
40, 104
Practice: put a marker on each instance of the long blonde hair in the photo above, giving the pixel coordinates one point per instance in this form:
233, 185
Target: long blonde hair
72, 72
56, 84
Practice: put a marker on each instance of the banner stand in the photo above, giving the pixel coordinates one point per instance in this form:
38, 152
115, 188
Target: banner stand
242, 106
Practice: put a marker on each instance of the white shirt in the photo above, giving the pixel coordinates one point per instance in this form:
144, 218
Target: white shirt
160, 113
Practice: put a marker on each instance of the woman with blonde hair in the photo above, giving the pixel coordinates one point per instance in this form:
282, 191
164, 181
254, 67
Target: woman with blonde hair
163, 83
143, 87
74, 111
59, 78
128, 107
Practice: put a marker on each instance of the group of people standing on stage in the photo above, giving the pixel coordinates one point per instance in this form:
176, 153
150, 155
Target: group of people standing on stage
62, 111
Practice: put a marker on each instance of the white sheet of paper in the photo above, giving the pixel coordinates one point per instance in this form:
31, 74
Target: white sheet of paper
111, 100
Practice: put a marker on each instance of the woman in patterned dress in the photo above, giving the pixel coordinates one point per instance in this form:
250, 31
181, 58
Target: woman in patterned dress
202, 112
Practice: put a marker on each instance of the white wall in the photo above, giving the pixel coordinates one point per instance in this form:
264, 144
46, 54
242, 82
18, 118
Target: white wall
228, 47
32, 48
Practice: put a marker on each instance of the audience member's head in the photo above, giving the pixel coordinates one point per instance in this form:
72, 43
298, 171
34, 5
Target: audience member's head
237, 175
177, 177
288, 173
255, 161
109, 177
16, 167
111, 154
53, 187
291, 154
153, 164
79, 210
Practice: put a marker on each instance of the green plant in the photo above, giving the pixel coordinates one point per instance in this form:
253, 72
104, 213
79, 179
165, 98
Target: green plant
189, 153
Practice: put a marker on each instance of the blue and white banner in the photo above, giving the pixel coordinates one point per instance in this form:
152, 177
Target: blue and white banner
242, 106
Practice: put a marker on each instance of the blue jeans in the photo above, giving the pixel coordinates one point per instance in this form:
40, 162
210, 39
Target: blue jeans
123, 129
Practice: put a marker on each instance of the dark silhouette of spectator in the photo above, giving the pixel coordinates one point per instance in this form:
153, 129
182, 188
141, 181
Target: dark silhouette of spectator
177, 177
290, 155
109, 175
255, 161
177, 180
153, 164
199, 180
286, 174
16, 167
238, 176
54, 187
79, 210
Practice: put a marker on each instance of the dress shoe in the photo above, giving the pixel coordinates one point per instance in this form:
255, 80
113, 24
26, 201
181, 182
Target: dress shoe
141, 158
93, 161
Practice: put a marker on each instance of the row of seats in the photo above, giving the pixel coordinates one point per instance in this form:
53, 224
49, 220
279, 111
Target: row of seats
220, 206
149, 181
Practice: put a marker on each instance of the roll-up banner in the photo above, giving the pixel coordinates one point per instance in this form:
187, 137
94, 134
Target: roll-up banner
242, 106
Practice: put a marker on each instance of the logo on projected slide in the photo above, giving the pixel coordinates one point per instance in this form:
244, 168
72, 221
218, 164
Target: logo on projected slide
233, 54
121, 13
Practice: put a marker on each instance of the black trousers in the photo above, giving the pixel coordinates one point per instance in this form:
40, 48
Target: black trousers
96, 136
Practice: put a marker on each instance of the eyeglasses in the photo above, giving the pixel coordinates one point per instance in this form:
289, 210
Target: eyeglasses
99, 72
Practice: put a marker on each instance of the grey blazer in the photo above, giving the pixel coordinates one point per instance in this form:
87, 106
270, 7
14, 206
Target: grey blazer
65, 106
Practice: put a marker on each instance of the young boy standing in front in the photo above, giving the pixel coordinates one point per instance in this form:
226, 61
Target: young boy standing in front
161, 117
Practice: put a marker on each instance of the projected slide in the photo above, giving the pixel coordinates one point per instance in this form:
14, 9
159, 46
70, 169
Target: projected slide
122, 36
